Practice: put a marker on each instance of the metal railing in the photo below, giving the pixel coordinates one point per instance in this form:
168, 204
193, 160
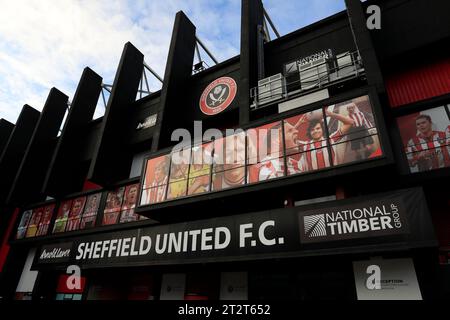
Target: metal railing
319, 76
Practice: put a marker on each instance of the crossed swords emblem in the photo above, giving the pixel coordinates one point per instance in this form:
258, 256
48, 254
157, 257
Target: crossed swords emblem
220, 92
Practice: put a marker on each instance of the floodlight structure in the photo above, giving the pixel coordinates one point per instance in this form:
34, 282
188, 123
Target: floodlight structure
200, 65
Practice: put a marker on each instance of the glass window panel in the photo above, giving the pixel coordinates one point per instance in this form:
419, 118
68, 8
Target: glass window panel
198, 184
264, 143
45, 220
179, 167
110, 218
352, 131
62, 216
228, 179
114, 200
266, 170
34, 222
73, 222
229, 152
156, 172
24, 221
153, 195
177, 189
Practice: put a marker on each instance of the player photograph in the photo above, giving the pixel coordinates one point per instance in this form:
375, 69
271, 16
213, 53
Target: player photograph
155, 180
426, 139
45, 220
229, 162
62, 216
179, 170
265, 152
129, 204
114, 201
22, 228
73, 222
34, 222
352, 131
90, 211
200, 169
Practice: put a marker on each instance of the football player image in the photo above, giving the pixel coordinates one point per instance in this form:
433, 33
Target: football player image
229, 162
113, 205
62, 216
45, 220
428, 149
34, 222
73, 222
200, 169
155, 184
178, 177
21, 230
129, 204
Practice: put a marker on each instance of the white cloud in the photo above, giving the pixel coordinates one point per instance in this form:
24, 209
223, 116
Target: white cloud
47, 43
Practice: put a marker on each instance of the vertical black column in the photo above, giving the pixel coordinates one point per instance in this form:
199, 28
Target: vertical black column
15, 149
66, 173
6, 128
252, 17
28, 182
363, 40
176, 76
112, 160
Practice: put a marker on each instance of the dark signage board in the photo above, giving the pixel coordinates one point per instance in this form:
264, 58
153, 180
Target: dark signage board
289, 232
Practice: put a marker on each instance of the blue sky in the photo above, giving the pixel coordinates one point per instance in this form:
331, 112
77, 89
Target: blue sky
47, 43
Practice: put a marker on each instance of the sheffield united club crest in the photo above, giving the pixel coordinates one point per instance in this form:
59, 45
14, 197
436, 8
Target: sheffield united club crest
218, 95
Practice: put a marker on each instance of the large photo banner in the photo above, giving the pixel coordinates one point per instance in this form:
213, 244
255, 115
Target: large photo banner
426, 139
330, 136
290, 232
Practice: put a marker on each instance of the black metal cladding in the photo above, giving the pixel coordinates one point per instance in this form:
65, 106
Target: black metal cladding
174, 108
252, 17
30, 177
112, 159
364, 43
409, 25
67, 171
6, 129
15, 148
331, 33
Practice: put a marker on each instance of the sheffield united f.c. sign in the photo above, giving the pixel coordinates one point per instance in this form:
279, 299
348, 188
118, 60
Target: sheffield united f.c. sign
218, 95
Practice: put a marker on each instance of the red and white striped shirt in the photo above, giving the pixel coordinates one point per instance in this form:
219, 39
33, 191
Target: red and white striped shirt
360, 120
316, 155
275, 168
156, 193
434, 151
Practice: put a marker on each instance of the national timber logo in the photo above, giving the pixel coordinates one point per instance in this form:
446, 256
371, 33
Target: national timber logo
315, 225
218, 96
359, 220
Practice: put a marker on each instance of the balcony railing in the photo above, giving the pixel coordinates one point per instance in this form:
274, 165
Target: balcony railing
306, 79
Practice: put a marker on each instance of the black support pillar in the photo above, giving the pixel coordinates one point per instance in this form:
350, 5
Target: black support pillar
364, 43
176, 77
112, 160
30, 177
6, 128
67, 172
251, 54
15, 149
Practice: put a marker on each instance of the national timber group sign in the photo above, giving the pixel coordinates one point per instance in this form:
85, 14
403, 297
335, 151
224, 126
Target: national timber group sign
269, 234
